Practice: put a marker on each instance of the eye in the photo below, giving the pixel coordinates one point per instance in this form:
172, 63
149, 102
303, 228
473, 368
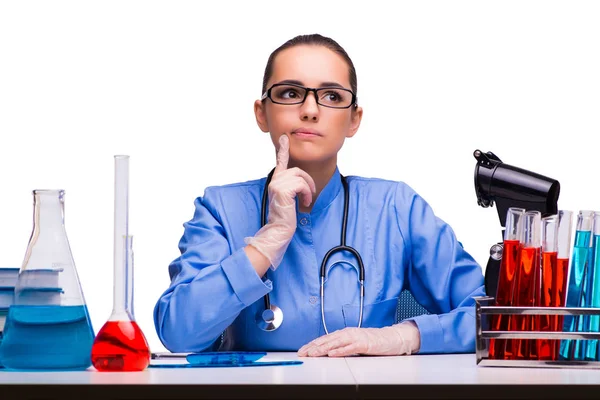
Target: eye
290, 94
333, 96
287, 94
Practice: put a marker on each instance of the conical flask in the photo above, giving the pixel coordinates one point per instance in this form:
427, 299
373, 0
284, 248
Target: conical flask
48, 325
120, 344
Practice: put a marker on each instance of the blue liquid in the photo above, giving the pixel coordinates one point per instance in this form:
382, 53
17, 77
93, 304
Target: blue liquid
47, 337
575, 349
593, 293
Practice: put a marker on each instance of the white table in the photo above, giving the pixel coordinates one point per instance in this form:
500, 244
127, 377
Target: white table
458, 376
450, 376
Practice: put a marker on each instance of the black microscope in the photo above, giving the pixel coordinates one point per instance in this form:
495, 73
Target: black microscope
510, 186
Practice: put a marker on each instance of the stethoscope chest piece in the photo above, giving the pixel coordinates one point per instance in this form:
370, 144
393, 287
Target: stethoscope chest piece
269, 319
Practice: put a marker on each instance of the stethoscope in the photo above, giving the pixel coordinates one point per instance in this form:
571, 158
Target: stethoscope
271, 317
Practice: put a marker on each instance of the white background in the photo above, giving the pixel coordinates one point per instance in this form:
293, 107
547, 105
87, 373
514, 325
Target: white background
172, 84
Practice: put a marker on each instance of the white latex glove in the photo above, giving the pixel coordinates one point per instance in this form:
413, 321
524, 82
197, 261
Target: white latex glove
395, 340
273, 239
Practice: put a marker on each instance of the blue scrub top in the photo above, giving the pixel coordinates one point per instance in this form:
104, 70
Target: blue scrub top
403, 245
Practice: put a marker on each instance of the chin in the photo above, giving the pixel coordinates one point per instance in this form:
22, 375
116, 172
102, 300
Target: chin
309, 153
308, 158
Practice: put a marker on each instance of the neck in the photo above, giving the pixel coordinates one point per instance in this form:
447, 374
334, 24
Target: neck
321, 172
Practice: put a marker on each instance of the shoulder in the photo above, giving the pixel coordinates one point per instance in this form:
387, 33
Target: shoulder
399, 191
234, 188
230, 195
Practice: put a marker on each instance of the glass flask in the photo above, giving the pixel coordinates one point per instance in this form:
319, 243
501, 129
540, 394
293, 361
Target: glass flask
120, 344
48, 325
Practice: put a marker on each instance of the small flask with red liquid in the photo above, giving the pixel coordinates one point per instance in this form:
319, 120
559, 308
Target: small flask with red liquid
120, 345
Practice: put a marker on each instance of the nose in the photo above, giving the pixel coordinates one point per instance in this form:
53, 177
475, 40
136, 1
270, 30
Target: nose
309, 110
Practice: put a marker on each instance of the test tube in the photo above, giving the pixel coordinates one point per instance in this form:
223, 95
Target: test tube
575, 349
559, 281
593, 291
527, 284
547, 348
513, 236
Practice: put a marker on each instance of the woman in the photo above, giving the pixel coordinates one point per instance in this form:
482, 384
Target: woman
229, 262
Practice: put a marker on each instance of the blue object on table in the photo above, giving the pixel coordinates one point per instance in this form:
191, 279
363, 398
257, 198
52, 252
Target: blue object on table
226, 359
250, 364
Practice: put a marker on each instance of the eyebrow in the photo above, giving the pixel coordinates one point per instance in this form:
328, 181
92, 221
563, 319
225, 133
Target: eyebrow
323, 84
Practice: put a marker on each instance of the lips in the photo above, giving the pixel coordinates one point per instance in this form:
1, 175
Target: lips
306, 132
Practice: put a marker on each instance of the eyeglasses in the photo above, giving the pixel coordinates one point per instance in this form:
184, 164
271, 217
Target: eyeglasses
289, 94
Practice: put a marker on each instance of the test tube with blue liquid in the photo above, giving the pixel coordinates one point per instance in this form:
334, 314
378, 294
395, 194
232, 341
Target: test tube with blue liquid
576, 292
593, 291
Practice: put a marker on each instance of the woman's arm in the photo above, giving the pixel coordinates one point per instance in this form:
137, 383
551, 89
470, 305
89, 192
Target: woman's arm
210, 284
442, 276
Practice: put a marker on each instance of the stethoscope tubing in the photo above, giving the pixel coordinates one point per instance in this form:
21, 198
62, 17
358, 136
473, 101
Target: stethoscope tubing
342, 247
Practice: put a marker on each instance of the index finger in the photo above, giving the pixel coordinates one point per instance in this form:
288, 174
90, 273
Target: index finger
283, 154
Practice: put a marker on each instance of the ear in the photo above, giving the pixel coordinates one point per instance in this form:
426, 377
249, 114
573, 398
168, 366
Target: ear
261, 116
356, 117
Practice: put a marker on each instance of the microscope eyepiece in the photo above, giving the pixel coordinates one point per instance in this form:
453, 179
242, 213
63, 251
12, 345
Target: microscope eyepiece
510, 186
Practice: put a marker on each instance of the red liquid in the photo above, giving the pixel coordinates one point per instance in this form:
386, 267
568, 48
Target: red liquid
525, 296
501, 348
559, 296
535, 319
120, 346
547, 348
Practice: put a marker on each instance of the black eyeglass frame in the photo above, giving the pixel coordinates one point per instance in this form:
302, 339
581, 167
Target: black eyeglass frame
307, 90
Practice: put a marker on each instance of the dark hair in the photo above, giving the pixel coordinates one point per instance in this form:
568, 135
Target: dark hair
314, 40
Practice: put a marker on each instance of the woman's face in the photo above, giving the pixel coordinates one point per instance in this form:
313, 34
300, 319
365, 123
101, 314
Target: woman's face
316, 132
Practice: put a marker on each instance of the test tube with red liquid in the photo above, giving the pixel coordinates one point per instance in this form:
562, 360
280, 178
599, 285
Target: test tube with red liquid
561, 274
120, 345
513, 236
527, 285
546, 349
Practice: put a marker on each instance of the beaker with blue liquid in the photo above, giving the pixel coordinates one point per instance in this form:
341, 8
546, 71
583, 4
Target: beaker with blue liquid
48, 325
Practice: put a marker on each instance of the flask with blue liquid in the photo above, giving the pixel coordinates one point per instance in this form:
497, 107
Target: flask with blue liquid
48, 326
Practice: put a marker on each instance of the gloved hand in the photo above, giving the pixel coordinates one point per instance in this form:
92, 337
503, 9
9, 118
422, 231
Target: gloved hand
395, 340
273, 239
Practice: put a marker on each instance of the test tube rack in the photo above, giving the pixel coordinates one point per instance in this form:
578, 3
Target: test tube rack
484, 309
